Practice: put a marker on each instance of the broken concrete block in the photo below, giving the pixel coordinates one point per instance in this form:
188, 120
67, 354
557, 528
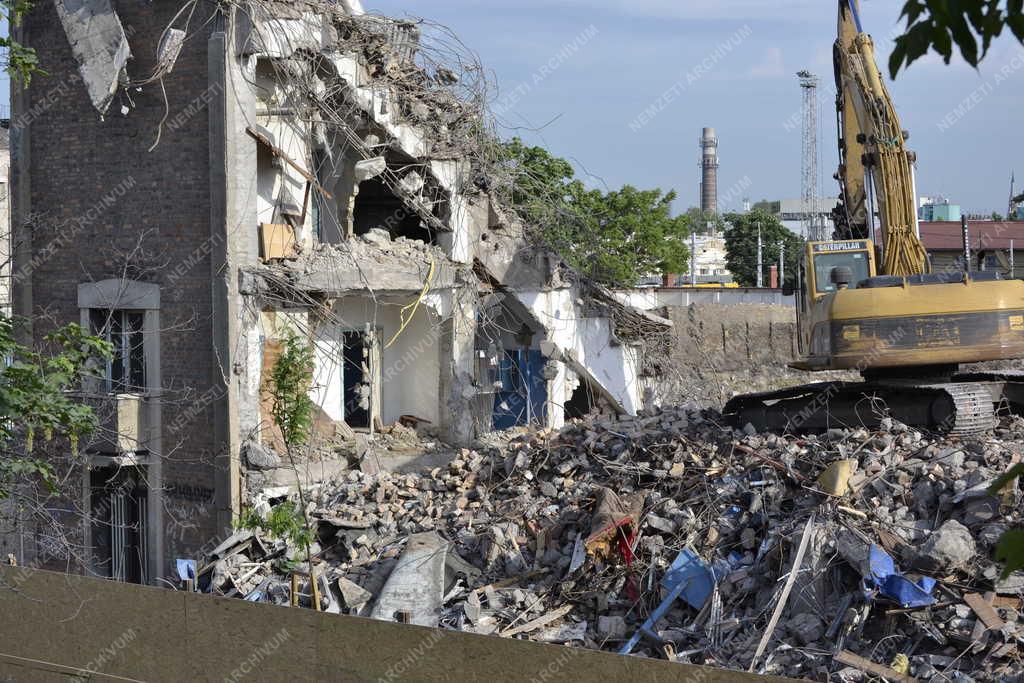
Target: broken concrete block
416, 585
611, 627
370, 168
806, 628
377, 236
99, 45
260, 457
353, 595
948, 548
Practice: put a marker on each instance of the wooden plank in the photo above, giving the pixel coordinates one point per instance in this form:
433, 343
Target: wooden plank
867, 666
781, 604
277, 151
538, 622
984, 610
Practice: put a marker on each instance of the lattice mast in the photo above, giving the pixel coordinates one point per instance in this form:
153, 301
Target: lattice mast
813, 227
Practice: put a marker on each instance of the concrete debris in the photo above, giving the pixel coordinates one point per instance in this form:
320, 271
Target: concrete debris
672, 533
260, 457
948, 548
416, 585
99, 45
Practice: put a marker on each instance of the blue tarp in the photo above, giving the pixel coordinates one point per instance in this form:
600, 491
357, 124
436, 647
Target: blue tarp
886, 578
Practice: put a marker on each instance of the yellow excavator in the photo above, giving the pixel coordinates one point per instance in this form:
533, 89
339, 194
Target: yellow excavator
868, 301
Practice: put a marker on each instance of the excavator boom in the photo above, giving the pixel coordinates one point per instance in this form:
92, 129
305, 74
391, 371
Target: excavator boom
872, 148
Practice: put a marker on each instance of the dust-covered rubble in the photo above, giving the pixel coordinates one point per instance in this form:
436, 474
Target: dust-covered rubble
671, 535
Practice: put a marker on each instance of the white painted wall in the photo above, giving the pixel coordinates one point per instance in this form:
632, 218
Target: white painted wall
650, 298
410, 371
586, 344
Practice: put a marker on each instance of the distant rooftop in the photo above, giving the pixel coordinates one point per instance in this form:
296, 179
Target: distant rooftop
984, 235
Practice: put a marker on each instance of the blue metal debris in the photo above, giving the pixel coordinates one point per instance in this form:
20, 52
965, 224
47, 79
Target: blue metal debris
689, 578
186, 569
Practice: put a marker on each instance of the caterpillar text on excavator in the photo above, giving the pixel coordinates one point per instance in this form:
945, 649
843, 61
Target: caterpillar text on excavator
868, 302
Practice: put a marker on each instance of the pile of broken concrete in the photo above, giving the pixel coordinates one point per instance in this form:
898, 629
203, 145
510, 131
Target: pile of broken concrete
848, 556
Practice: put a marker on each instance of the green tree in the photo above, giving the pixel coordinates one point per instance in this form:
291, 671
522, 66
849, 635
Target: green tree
292, 409
615, 238
741, 246
969, 25
36, 400
18, 61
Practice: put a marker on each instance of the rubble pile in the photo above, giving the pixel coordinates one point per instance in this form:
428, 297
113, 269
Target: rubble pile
848, 556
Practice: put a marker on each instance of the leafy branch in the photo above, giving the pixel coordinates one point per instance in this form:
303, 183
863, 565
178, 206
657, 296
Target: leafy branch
36, 398
1010, 550
20, 62
941, 25
288, 385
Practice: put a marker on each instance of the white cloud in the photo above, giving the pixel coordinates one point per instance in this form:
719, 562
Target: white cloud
771, 65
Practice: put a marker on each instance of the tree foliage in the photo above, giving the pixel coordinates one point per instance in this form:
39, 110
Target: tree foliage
968, 25
20, 62
1010, 550
289, 385
615, 238
36, 398
701, 223
741, 246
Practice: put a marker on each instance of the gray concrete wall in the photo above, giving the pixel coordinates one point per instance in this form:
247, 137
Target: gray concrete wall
654, 297
58, 627
719, 350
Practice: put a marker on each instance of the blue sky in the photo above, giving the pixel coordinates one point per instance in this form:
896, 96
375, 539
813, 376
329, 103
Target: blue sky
631, 51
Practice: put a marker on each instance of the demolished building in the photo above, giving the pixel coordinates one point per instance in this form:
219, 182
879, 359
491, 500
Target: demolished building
196, 181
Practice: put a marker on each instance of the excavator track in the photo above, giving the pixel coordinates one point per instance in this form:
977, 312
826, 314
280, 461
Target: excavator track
953, 407
973, 410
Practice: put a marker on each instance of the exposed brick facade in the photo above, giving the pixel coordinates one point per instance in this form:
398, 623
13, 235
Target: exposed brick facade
74, 159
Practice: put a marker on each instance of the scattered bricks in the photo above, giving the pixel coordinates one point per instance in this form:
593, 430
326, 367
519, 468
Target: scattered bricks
517, 514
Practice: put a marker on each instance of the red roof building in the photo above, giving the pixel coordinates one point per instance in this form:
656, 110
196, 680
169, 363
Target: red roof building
990, 243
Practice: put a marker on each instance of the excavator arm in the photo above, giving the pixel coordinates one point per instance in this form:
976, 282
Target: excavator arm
872, 148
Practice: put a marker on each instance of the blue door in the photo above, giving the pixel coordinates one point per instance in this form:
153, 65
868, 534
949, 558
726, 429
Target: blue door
523, 396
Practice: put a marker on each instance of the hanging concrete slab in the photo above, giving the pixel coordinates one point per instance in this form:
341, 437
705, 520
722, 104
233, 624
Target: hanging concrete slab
99, 44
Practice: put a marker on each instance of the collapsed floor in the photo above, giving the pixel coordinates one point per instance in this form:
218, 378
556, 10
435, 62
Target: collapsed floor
580, 536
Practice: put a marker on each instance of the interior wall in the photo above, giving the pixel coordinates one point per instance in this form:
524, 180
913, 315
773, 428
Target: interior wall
410, 367
586, 343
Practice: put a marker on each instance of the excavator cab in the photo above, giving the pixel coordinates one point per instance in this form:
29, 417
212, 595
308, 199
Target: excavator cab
856, 256
827, 267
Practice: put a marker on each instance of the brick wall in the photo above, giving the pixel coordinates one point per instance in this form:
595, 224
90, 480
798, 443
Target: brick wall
163, 220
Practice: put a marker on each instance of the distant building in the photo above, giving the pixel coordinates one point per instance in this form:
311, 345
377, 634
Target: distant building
708, 261
991, 243
938, 209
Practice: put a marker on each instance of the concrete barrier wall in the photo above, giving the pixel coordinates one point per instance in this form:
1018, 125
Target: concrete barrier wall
56, 627
655, 297
718, 350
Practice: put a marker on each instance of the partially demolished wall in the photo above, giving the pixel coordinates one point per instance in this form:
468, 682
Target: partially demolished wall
285, 161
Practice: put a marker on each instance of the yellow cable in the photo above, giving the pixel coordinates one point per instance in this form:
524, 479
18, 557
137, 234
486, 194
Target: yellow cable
414, 305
